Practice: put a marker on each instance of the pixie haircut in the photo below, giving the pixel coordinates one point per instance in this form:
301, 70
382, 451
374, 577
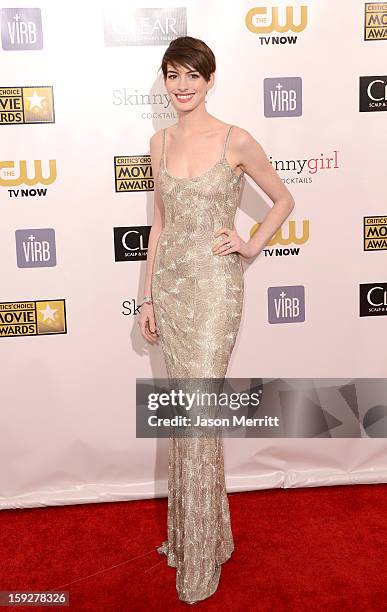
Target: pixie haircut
189, 52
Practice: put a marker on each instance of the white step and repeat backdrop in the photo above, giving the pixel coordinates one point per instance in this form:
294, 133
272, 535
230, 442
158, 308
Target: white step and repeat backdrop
80, 96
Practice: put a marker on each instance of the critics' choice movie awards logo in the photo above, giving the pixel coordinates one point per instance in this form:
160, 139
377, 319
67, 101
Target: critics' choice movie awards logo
372, 93
286, 304
21, 29
133, 173
375, 21
375, 233
32, 318
131, 243
35, 248
285, 238
282, 97
29, 104
143, 26
373, 299
15, 174
277, 25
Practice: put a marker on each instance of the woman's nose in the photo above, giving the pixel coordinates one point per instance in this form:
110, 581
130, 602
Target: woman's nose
183, 84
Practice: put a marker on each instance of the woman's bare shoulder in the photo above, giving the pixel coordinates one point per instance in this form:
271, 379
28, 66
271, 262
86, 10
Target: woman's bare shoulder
156, 138
247, 150
240, 136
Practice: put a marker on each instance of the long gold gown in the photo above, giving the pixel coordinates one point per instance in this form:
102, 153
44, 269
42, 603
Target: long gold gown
197, 299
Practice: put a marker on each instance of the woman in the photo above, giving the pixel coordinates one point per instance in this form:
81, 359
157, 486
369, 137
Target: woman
193, 292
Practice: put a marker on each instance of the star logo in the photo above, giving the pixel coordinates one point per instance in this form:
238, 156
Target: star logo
35, 101
48, 313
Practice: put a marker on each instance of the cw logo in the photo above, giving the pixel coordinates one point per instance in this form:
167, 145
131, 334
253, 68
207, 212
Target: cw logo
8, 173
259, 14
292, 238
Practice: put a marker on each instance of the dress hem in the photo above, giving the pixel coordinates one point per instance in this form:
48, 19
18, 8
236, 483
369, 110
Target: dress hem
164, 550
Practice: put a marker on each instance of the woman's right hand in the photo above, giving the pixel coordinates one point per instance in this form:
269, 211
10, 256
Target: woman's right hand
146, 321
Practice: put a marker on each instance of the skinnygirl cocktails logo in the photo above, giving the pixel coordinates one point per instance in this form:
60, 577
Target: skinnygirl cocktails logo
144, 105
277, 25
296, 171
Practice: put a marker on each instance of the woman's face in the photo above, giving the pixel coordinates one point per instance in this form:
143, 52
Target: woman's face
186, 87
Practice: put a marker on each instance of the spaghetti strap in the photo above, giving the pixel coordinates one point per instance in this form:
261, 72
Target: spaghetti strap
225, 142
163, 147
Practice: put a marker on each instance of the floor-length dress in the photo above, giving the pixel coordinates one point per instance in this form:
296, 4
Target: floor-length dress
197, 299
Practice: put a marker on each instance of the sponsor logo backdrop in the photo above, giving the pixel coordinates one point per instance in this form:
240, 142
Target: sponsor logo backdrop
80, 96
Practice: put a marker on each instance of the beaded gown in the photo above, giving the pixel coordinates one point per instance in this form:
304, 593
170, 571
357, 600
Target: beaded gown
197, 300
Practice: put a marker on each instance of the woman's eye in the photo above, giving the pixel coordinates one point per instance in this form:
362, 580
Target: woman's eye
173, 76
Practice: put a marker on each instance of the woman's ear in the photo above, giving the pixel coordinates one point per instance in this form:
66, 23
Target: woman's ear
211, 81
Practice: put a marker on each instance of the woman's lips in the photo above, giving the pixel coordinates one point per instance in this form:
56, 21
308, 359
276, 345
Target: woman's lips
184, 97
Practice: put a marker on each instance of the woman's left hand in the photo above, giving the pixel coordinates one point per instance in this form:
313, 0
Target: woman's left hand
233, 243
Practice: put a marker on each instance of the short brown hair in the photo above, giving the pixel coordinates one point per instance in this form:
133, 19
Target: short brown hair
187, 51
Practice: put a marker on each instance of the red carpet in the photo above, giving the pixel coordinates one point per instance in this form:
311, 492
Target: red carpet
295, 550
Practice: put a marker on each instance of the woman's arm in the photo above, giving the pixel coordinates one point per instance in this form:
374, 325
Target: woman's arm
146, 319
158, 211
255, 163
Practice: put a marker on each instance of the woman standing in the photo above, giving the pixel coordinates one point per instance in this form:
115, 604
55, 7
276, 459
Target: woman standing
193, 293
